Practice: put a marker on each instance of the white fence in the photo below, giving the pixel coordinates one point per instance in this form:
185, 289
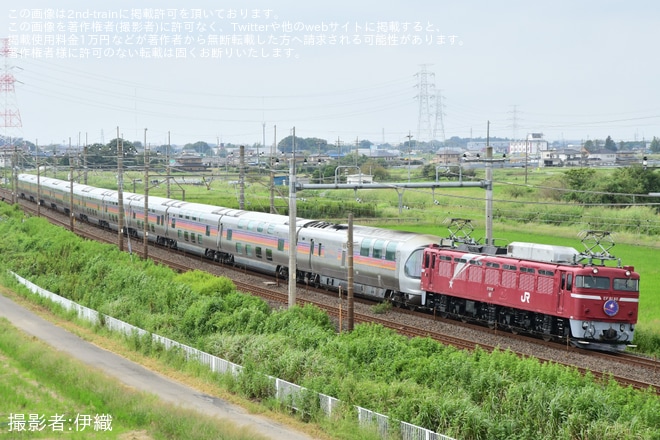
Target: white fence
286, 392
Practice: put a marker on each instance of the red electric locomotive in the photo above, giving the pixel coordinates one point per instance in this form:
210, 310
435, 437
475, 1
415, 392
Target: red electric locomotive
550, 291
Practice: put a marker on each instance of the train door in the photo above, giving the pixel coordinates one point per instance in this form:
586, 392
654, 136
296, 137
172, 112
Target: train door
565, 287
428, 265
311, 253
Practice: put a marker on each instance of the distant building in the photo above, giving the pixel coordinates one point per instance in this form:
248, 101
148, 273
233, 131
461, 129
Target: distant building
479, 146
386, 155
627, 158
190, 162
448, 155
533, 144
565, 157
602, 157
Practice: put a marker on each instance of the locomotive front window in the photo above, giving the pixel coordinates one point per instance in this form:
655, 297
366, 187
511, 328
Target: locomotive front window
413, 267
592, 282
626, 284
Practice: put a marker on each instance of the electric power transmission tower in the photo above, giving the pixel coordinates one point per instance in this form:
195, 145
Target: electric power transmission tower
11, 116
439, 126
425, 96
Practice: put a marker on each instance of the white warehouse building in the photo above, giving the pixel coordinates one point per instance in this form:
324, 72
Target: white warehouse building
533, 144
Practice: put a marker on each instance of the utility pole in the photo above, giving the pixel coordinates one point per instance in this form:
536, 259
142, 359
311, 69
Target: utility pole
146, 198
349, 251
71, 215
120, 191
489, 188
38, 181
167, 166
85, 161
526, 158
409, 145
14, 177
293, 239
241, 178
273, 151
263, 129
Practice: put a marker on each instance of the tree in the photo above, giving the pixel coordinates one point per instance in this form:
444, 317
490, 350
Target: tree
655, 145
589, 146
199, 147
634, 179
315, 144
376, 169
580, 179
610, 144
365, 144
286, 144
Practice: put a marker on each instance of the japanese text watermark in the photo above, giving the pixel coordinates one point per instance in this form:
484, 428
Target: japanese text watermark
190, 33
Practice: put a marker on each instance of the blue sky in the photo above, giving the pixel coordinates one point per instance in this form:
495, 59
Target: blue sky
573, 70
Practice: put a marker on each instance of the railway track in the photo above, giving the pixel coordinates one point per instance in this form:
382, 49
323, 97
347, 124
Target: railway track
273, 295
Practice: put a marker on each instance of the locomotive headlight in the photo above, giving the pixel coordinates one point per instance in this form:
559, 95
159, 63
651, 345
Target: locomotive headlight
595, 270
627, 273
585, 324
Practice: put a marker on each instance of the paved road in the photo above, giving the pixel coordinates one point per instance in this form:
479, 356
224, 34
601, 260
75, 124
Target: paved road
138, 377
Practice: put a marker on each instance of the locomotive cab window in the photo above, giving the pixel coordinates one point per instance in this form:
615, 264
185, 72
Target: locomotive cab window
592, 282
626, 284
